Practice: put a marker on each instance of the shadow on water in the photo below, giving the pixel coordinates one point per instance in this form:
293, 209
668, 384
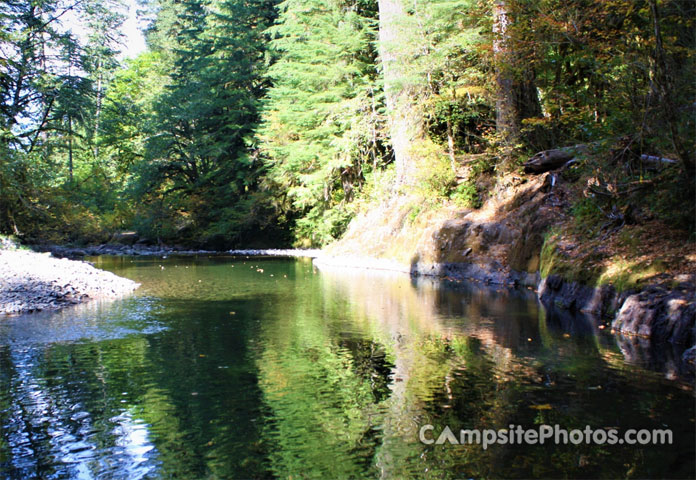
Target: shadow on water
265, 368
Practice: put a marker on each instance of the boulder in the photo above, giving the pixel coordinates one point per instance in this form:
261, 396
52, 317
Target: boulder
659, 315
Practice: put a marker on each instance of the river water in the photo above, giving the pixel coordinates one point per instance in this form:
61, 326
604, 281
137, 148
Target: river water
222, 367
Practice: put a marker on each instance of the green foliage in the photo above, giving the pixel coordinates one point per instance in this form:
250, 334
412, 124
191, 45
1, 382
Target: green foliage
129, 109
413, 213
596, 67
673, 201
378, 187
194, 166
452, 68
467, 121
466, 195
437, 181
319, 227
322, 121
264, 120
51, 87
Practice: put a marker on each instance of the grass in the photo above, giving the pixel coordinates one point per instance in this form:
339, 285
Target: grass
627, 275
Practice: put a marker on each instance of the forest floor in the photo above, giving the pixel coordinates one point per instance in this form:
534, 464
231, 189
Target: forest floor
31, 282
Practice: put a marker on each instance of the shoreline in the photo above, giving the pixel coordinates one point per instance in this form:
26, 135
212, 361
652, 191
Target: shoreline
61, 251
32, 282
653, 313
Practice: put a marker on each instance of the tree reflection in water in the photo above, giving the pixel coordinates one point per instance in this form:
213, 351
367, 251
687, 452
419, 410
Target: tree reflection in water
256, 368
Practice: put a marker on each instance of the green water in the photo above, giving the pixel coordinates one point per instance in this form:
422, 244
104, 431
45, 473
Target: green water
268, 368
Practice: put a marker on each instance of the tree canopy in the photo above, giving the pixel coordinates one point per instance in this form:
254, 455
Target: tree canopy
275, 122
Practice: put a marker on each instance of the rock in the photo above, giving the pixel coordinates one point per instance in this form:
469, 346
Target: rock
661, 320
689, 358
659, 315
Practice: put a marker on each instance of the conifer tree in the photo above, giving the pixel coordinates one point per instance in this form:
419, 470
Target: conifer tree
322, 114
199, 153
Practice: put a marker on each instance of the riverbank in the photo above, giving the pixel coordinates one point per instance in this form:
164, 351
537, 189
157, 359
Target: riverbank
75, 252
31, 282
503, 243
635, 278
661, 316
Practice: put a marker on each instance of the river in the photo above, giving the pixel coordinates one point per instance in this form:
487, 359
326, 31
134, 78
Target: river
236, 367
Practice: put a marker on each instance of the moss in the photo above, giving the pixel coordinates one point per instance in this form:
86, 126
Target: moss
587, 215
574, 269
549, 256
594, 270
625, 275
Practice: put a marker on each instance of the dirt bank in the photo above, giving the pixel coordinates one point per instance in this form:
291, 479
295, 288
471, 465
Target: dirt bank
638, 280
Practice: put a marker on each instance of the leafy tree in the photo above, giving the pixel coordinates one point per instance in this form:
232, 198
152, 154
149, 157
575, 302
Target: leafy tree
34, 80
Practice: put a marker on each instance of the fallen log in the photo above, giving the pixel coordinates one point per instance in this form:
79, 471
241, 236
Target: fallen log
654, 163
553, 159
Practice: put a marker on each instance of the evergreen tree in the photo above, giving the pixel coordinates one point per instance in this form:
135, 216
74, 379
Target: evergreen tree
44, 101
104, 20
250, 117
199, 155
322, 119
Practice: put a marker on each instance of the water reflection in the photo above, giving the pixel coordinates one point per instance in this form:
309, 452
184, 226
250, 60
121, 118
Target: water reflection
59, 420
258, 368
94, 321
458, 355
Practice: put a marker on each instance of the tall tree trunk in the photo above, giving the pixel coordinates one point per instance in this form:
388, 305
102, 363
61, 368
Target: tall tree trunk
663, 90
70, 148
406, 123
450, 142
506, 116
97, 115
516, 96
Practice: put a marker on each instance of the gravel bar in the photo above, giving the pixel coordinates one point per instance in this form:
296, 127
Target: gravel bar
31, 282
276, 252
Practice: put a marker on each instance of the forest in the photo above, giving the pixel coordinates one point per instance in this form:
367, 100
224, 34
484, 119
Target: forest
256, 122
515, 181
